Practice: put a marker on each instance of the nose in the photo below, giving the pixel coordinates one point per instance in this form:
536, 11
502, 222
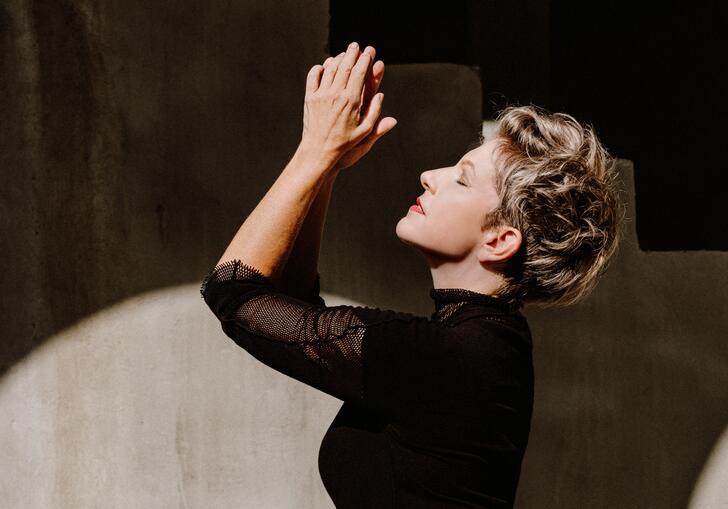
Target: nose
425, 180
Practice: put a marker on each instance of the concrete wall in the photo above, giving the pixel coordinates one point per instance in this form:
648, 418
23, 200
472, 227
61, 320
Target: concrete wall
136, 137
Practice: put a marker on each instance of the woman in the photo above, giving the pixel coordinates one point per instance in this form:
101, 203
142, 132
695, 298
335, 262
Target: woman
437, 409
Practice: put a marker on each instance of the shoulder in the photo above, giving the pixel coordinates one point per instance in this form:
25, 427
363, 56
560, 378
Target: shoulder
506, 333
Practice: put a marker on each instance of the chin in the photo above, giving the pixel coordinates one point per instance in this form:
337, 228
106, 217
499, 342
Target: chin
402, 232
401, 229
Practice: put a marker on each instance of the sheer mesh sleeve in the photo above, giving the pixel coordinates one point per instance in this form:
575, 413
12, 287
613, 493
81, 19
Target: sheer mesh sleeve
371, 356
302, 338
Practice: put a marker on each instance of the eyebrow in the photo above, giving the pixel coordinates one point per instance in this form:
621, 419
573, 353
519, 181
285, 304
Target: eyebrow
468, 164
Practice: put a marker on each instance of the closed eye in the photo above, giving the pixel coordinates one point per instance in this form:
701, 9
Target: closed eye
462, 177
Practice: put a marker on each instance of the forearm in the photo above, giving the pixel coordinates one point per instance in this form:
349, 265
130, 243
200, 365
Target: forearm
299, 273
266, 237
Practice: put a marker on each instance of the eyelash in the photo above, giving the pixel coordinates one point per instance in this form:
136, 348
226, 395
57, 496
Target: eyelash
461, 183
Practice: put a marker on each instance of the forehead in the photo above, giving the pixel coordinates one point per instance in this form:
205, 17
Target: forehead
483, 157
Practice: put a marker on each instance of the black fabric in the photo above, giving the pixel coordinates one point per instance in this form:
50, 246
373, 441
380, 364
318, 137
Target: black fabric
437, 410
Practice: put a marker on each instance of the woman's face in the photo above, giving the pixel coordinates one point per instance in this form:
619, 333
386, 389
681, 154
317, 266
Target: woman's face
454, 202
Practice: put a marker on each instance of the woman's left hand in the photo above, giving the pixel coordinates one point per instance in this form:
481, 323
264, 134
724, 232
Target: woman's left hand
331, 115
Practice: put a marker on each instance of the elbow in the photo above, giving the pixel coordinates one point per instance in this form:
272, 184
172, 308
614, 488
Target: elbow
224, 298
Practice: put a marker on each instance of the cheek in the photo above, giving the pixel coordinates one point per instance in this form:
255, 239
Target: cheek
455, 220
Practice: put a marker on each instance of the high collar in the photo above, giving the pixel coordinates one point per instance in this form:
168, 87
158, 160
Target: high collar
448, 300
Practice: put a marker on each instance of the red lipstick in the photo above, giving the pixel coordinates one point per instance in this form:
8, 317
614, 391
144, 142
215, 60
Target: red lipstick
418, 208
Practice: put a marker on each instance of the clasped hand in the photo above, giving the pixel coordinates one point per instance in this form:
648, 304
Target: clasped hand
341, 107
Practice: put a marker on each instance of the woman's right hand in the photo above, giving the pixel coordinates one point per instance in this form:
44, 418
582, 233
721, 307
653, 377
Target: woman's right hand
381, 126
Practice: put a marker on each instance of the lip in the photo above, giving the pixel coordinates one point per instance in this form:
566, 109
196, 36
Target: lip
420, 204
417, 208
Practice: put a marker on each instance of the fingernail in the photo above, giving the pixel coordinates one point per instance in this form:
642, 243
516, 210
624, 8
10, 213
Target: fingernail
353, 45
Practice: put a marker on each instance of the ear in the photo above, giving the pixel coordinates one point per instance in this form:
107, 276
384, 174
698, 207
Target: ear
499, 244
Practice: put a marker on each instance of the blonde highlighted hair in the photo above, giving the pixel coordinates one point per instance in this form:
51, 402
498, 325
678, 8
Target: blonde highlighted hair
557, 185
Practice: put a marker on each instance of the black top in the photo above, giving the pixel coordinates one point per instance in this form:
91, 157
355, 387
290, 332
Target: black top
437, 411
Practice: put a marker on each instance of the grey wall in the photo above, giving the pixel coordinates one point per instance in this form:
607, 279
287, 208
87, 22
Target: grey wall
137, 136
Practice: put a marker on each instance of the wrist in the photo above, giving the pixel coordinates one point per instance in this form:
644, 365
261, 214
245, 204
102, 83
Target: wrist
317, 157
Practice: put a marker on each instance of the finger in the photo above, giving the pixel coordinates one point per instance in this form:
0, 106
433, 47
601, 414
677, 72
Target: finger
312, 80
371, 85
377, 75
372, 113
358, 74
366, 93
364, 114
345, 66
330, 71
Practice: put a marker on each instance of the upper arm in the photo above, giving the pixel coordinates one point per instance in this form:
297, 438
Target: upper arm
361, 354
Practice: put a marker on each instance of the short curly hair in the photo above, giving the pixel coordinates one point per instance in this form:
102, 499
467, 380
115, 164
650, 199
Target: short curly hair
557, 185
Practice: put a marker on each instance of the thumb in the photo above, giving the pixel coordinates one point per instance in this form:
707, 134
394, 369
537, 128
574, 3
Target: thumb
387, 124
381, 127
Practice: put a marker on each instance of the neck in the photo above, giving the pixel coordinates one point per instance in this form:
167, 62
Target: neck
465, 274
